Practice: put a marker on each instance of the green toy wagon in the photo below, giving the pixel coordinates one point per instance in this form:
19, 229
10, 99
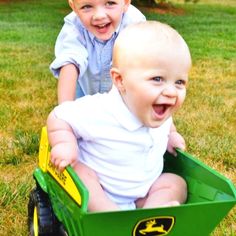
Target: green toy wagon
58, 204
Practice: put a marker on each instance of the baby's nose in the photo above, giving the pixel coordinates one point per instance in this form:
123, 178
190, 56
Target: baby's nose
169, 91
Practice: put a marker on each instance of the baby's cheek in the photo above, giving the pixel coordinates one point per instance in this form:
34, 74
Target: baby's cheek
181, 99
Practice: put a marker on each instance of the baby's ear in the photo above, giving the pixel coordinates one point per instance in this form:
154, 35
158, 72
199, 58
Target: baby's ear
71, 3
117, 79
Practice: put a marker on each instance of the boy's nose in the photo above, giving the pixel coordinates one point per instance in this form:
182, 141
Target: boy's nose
99, 13
169, 91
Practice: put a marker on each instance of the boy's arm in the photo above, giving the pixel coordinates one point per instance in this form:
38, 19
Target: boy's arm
64, 147
175, 140
66, 88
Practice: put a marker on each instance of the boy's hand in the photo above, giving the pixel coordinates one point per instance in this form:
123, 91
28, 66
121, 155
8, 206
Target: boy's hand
175, 141
64, 154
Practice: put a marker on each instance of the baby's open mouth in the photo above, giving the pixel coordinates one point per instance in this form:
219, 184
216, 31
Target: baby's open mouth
160, 109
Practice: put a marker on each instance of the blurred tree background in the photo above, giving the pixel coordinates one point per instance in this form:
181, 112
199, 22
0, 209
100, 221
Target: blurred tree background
156, 3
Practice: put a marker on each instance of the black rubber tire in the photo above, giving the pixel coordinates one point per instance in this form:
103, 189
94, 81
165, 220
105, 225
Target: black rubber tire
46, 221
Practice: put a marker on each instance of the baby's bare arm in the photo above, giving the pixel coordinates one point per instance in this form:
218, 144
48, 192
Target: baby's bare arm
64, 148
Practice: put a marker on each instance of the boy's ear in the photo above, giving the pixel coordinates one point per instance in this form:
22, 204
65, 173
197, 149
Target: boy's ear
117, 79
127, 3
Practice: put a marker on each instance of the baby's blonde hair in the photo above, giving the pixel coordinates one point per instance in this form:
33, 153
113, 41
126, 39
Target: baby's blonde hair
140, 38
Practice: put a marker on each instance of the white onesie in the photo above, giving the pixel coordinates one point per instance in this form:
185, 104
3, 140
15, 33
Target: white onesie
127, 156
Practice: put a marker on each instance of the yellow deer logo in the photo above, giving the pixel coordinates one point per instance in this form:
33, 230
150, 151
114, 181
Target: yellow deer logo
150, 227
159, 225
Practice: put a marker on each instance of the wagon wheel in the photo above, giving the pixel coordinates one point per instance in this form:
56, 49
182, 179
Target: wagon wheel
41, 219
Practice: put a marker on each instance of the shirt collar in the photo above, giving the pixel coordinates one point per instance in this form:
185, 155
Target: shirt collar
120, 111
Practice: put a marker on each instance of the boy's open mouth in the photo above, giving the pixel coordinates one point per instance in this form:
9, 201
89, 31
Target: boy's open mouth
102, 28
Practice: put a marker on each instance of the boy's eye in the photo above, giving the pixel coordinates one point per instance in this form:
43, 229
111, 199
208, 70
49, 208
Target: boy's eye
110, 3
157, 79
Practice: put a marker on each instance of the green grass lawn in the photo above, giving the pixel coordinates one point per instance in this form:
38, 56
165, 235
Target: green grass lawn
28, 30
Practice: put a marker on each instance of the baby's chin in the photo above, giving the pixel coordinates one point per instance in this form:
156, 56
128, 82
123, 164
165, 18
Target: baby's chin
155, 123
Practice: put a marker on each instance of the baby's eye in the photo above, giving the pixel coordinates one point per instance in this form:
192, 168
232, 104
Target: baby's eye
181, 82
157, 79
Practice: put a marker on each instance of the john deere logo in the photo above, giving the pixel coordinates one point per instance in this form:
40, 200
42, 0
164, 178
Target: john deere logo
154, 226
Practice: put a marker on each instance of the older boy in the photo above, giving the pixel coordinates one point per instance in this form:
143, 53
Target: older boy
116, 141
84, 46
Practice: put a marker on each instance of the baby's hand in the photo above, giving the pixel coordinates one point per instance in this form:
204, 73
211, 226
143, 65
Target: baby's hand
175, 141
64, 154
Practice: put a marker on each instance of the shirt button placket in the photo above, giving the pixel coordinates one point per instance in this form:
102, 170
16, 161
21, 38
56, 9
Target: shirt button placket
106, 64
